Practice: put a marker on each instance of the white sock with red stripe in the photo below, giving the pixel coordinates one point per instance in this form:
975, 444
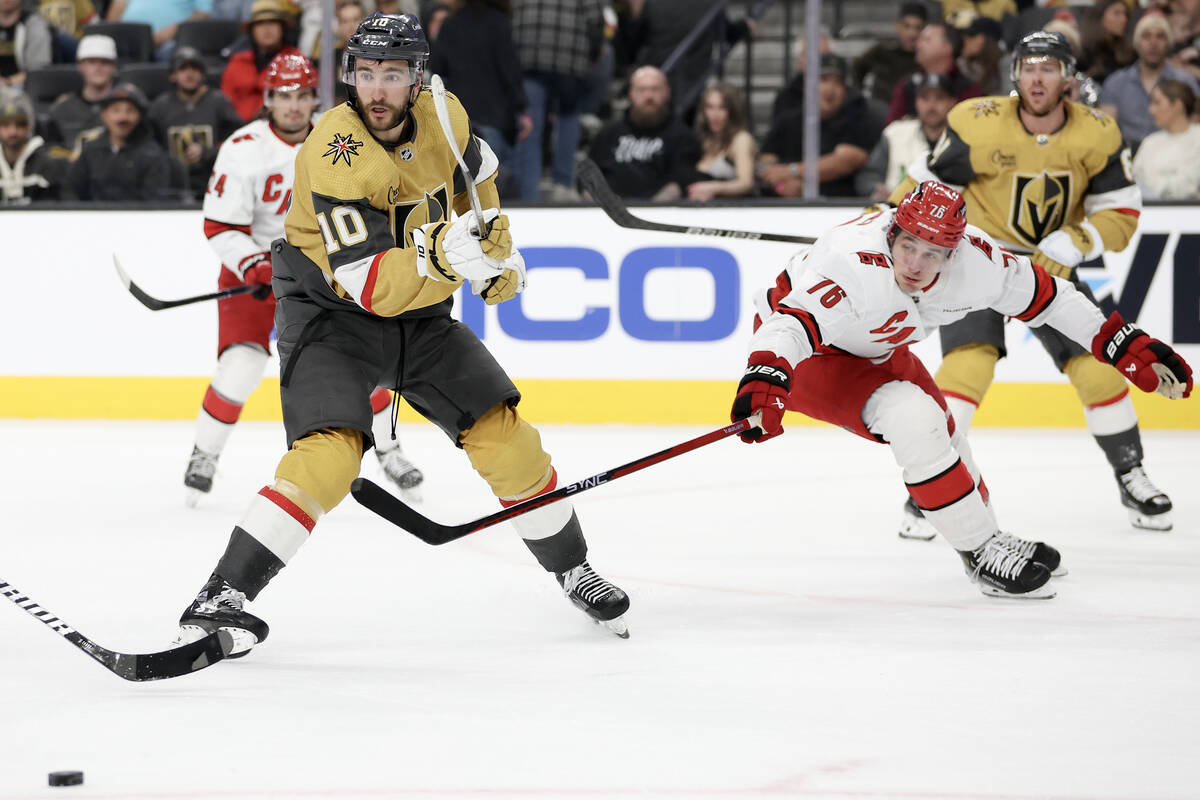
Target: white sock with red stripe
239, 371
544, 522
963, 411
262, 543
1114, 416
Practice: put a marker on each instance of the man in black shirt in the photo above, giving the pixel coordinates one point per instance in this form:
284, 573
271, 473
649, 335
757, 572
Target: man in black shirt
192, 121
847, 136
124, 163
647, 154
877, 70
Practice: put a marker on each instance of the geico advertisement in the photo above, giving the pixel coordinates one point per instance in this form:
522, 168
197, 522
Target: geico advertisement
602, 301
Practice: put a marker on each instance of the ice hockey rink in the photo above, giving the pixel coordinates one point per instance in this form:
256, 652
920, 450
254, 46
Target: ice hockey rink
784, 642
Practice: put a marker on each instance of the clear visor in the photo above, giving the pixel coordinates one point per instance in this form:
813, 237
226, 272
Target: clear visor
286, 92
1039, 59
365, 74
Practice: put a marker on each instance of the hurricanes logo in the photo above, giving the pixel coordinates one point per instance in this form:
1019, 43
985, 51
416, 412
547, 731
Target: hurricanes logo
433, 206
342, 147
1039, 205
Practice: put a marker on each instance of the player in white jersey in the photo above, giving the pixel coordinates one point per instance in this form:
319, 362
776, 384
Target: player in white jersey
248, 196
831, 341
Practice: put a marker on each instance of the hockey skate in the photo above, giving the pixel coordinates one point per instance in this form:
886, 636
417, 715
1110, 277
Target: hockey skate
1149, 508
401, 472
1039, 553
198, 478
596, 597
1001, 568
914, 525
218, 606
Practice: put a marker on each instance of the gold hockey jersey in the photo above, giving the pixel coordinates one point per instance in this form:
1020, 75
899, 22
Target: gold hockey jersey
357, 200
1020, 187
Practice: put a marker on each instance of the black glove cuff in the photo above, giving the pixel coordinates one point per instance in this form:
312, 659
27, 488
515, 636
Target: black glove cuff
1116, 345
768, 373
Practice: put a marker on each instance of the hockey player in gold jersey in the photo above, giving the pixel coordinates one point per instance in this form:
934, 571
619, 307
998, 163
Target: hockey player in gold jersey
364, 282
1050, 178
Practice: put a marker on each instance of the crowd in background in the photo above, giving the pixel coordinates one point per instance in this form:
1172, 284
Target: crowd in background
90, 110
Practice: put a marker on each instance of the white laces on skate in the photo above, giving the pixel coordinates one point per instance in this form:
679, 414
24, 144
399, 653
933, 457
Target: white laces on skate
201, 464
586, 584
1023, 547
1002, 556
1138, 485
228, 598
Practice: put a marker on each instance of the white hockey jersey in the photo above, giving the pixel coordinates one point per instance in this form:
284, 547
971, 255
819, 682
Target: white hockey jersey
841, 295
248, 195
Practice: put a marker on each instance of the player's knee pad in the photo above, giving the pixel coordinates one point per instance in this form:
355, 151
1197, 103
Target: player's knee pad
1095, 383
968, 371
323, 464
914, 425
507, 452
239, 370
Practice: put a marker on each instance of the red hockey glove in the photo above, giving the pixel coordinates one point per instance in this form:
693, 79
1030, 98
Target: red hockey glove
764, 389
259, 272
1147, 363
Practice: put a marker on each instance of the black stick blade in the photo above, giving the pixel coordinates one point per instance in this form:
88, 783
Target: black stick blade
160, 665
395, 511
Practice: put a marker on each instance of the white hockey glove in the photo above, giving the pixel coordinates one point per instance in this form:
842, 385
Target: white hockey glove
505, 286
1062, 251
450, 252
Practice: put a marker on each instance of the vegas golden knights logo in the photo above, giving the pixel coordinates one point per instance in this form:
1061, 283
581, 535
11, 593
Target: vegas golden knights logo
434, 206
1040, 204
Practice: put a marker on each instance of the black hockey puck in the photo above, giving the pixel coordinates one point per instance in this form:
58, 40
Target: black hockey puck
70, 778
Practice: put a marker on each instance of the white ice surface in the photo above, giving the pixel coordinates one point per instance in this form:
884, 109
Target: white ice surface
785, 642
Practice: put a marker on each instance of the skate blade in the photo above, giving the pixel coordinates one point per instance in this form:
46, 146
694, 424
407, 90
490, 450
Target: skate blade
920, 533
1043, 592
1058, 573
243, 639
616, 627
411, 496
193, 497
1147, 522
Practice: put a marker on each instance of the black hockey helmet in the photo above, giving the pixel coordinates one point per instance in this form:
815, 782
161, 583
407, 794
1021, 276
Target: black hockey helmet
1043, 45
386, 37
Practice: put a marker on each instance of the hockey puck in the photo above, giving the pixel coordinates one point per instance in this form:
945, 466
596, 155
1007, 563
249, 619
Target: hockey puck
70, 778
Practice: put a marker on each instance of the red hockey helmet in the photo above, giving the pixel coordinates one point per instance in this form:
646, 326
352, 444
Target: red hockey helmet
933, 212
289, 71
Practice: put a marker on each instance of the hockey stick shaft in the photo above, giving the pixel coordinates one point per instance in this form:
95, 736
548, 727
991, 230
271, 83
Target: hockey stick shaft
442, 109
398, 513
130, 666
592, 179
155, 304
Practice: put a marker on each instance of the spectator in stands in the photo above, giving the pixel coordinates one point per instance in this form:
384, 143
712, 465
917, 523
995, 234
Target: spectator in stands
1167, 165
433, 19
74, 114
662, 25
125, 162
557, 43
25, 42
938, 49
648, 154
477, 58
847, 139
791, 97
1184, 18
348, 14
992, 9
983, 60
242, 80
30, 170
236, 10
1124, 94
163, 17
192, 121
1106, 46
726, 145
906, 139
69, 16
877, 70
1065, 24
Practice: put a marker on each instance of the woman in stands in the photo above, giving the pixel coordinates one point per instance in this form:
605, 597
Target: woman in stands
1167, 164
728, 146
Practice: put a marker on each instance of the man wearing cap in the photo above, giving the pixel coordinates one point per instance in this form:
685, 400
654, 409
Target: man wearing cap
24, 42
269, 24
29, 170
163, 16
192, 121
847, 138
78, 112
1125, 94
124, 162
906, 139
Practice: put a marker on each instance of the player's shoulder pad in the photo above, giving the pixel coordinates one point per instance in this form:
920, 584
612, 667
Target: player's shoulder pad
334, 154
968, 114
250, 132
1098, 125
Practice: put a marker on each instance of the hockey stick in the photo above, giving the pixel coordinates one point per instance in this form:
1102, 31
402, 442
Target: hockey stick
398, 513
154, 304
443, 114
132, 666
592, 179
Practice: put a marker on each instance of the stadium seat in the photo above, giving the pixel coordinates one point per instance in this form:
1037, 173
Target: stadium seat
151, 77
209, 36
135, 40
44, 86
